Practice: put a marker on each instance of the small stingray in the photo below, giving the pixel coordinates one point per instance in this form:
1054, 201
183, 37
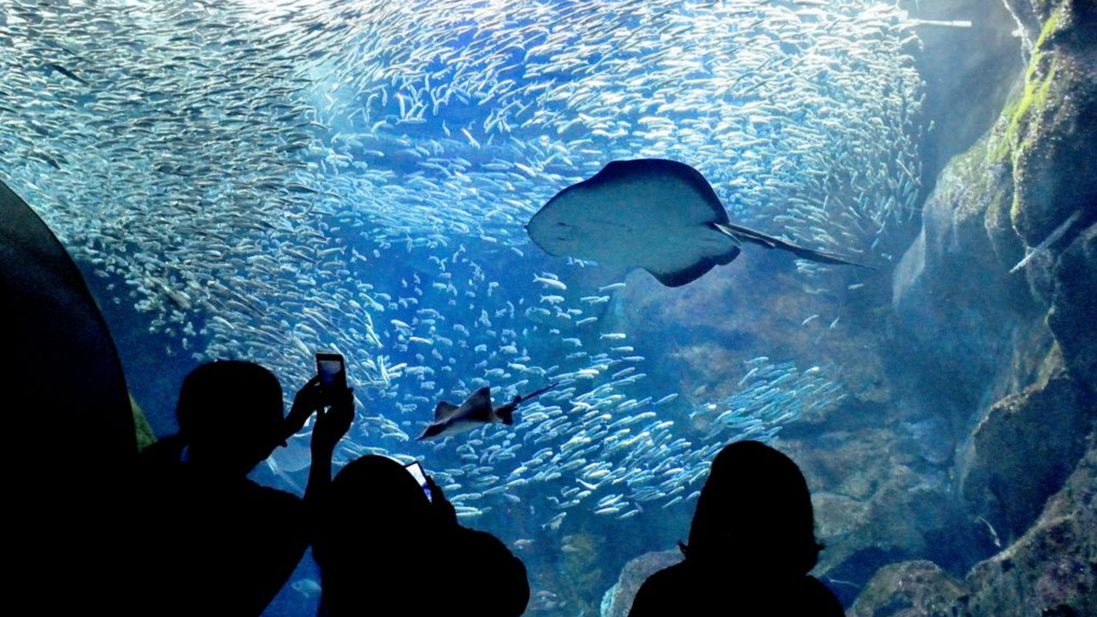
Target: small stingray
659, 215
476, 411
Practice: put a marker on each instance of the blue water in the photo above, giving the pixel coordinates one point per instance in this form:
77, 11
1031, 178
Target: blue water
356, 177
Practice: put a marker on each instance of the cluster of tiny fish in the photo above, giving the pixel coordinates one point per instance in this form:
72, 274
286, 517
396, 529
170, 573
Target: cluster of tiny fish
269, 179
601, 437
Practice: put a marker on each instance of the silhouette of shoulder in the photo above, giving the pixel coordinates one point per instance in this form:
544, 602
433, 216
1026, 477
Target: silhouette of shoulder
481, 555
685, 590
215, 544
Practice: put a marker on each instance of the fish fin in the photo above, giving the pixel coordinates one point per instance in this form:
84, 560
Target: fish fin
677, 278
433, 430
479, 399
444, 411
745, 234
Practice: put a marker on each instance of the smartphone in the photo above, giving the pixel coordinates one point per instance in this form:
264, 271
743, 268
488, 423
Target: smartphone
416, 471
332, 373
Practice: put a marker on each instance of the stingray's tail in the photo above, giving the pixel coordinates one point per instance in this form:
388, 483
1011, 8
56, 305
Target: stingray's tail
519, 399
745, 234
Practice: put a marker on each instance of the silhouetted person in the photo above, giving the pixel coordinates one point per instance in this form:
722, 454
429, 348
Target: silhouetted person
385, 550
751, 545
215, 542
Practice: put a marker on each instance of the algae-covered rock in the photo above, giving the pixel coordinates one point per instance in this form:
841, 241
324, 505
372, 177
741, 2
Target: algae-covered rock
1025, 448
145, 436
1052, 569
953, 295
618, 600
1044, 139
867, 492
1052, 123
910, 589
1074, 307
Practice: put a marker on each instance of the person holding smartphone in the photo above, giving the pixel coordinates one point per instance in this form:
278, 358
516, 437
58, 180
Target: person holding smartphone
212, 541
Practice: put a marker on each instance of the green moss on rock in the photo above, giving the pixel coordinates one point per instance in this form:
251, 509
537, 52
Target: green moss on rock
1032, 97
145, 436
1051, 128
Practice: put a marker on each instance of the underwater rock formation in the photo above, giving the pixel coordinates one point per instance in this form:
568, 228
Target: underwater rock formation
618, 600
1052, 569
1052, 123
1074, 304
954, 294
909, 589
998, 293
1016, 463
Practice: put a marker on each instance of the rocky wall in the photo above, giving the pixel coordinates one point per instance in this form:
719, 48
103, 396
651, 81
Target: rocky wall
1050, 571
1001, 288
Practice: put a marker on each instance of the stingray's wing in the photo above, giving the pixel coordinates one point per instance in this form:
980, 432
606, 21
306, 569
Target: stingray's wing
687, 273
477, 407
432, 431
745, 234
444, 411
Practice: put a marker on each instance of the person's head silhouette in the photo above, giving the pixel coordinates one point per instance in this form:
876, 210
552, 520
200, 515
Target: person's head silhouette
754, 514
377, 533
381, 494
751, 546
230, 415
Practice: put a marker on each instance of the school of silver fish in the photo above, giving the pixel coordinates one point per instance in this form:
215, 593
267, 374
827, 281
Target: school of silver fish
266, 179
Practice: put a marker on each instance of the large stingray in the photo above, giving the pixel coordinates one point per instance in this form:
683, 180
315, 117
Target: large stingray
476, 411
655, 214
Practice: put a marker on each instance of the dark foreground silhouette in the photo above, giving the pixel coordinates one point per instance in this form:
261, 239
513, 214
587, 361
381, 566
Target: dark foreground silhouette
384, 549
211, 541
71, 446
751, 545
